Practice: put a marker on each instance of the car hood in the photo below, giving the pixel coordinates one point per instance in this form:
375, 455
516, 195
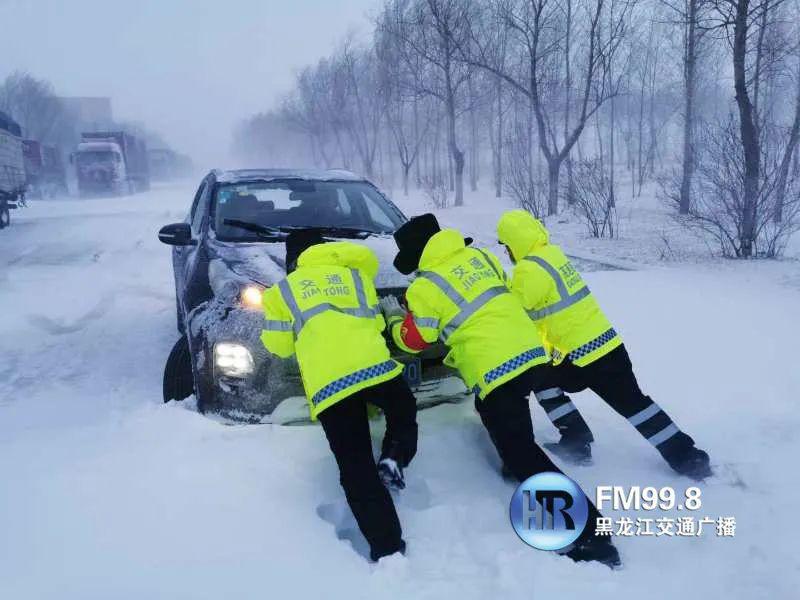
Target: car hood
263, 263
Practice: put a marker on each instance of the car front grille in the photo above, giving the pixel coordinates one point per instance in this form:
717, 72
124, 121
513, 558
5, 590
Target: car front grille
397, 292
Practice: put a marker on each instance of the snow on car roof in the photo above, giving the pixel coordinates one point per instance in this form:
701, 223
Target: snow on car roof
239, 175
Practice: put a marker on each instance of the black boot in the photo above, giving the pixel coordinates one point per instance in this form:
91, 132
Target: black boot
573, 450
692, 462
594, 549
391, 463
376, 554
391, 474
685, 458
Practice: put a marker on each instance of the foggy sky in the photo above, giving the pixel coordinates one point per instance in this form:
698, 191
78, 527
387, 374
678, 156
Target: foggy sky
188, 69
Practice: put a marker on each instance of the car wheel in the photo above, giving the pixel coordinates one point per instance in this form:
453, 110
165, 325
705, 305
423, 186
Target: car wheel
178, 375
202, 372
5, 217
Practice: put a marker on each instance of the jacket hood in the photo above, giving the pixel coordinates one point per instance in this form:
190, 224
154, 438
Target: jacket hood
522, 232
341, 254
440, 246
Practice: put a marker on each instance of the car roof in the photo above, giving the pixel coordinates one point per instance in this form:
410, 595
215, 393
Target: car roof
242, 175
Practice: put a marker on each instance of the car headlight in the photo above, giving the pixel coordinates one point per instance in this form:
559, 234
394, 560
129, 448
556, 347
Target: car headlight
233, 360
250, 297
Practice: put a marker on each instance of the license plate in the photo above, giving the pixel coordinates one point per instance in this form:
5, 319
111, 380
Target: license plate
412, 373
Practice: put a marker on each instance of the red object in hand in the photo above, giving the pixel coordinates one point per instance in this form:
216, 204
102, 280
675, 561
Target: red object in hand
410, 334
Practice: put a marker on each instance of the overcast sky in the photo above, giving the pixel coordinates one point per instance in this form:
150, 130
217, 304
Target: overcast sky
188, 69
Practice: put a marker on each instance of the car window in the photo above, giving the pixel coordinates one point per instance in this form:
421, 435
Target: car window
292, 203
200, 208
196, 200
343, 205
376, 213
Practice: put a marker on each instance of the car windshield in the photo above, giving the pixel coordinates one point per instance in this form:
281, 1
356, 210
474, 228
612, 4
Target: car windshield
90, 157
348, 206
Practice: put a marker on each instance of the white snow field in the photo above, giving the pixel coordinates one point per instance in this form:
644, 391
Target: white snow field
106, 493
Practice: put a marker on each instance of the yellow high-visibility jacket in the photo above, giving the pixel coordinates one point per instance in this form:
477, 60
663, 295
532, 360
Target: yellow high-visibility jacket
460, 295
326, 312
554, 293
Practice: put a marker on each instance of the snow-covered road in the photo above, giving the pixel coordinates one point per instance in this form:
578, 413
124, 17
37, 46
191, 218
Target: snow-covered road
107, 493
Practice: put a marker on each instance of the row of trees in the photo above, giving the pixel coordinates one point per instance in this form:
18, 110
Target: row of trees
33, 103
43, 115
561, 101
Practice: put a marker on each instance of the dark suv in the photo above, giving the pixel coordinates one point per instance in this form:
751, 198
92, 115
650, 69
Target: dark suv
230, 248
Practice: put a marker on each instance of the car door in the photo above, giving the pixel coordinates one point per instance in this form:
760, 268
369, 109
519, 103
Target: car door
186, 258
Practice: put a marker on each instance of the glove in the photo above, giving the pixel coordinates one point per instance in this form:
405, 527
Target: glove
391, 308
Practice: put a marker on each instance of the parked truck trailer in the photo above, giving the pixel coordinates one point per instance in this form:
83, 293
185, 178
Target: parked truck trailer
44, 170
111, 163
168, 165
12, 168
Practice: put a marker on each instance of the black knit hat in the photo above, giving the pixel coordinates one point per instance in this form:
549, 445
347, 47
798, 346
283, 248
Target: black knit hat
411, 239
297, 242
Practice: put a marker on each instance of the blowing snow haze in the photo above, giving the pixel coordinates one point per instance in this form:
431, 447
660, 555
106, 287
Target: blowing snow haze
188, 70
594, 399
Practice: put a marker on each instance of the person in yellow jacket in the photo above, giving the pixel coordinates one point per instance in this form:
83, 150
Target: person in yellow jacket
460, 296
587, 350
326, 313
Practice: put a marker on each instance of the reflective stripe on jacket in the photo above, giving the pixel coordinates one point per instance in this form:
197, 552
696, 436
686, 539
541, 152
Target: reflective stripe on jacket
554, 293
460, 296
326, 312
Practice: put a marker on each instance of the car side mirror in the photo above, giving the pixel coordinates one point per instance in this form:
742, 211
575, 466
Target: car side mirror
177, 234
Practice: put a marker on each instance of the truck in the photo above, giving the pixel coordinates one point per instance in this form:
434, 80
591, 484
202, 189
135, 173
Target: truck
168, 165
44, 170
111, 162
12, 168
162, 164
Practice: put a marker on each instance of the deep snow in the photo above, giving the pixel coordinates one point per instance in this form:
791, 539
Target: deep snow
107, 493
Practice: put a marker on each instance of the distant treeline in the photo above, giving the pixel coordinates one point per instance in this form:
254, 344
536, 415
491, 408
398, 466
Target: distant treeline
564, 103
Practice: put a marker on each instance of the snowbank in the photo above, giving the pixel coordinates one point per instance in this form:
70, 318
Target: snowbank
107, 493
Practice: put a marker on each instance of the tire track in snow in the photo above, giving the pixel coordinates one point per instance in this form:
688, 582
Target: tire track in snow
62, 326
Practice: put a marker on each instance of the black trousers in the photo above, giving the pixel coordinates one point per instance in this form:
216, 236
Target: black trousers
346, 426
610, 377
507, 417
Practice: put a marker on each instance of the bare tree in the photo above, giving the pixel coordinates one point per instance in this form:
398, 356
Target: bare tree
33, 103
615, 66
720, 205
409, 114
521, 179
445, 82
568, 84
741, 21
436, 190
651, 102
690, 16
497, 127
745, 159
361, 102
308, 109
433, 31
594, 200
791, 151
536, 31
751, 145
